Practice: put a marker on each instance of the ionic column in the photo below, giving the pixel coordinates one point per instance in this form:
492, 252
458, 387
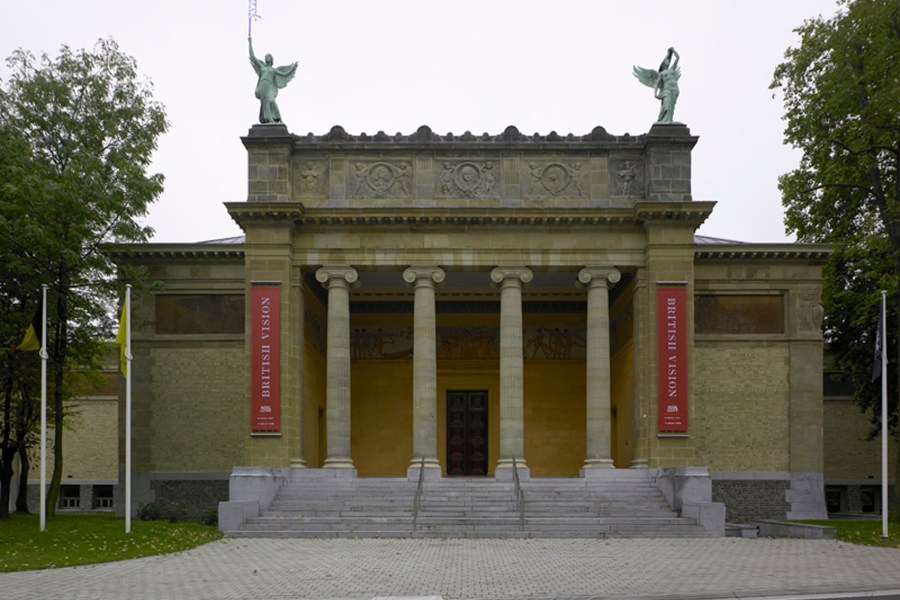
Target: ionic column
512, 421
338, 280
598, 441
424, 367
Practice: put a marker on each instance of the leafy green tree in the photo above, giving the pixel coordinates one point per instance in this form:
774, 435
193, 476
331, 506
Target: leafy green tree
90, 126
841, 89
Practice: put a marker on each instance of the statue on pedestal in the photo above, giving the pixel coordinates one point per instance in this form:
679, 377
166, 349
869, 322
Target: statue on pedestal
664, 83
271, 79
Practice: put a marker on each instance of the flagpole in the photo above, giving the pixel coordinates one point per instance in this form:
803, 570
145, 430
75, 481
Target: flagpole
884, 418
44, 356
128, 408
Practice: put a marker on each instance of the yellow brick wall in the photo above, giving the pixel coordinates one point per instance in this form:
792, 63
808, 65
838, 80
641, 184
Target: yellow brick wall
381, 416
554, 417
90, 442
622, 389
313, 406
741, 400
381, 403
197, 417
848, 454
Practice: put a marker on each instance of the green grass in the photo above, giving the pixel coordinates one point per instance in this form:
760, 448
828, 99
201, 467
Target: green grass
86, 539
866, 532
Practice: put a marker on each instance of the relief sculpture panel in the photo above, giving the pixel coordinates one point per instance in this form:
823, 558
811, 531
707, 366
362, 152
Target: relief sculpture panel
549, 179
468, 343
310, 178
627, 177
466, 179
381, 179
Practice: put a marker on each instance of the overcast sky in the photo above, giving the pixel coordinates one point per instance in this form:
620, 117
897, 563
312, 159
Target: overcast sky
454, 65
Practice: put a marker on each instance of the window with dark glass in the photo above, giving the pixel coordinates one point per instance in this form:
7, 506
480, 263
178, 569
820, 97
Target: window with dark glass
738, 313
199, 314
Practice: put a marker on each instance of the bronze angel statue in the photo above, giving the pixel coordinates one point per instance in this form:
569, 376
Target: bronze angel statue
271, 79
664, 83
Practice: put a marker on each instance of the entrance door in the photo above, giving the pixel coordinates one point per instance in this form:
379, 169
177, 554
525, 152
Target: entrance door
467, 432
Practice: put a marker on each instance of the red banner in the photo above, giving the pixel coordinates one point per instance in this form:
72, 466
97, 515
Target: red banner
265, 358
671, 357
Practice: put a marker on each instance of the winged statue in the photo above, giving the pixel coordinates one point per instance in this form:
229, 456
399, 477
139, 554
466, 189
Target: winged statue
271, 79
664, 83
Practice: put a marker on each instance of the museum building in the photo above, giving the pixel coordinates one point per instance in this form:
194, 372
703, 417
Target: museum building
460, 306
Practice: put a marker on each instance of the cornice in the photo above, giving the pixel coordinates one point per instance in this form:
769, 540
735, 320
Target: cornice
788, 252
643, 213
511, 138
129, 253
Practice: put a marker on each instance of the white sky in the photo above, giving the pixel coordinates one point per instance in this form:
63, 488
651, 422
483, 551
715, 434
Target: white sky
454, 65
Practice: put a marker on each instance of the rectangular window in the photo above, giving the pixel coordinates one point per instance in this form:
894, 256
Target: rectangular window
69, 496
738, 313
103, 497
199, 314
836, 385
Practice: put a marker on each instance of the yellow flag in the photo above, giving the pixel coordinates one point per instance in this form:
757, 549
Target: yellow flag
121, 340
32, 340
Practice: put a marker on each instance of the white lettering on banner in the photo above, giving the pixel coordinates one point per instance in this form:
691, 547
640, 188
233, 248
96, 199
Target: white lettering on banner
671, 344
265, 365
671, 329
265, 317
672, 377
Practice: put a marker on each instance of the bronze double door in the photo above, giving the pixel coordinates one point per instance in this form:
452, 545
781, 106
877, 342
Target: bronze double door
467, 432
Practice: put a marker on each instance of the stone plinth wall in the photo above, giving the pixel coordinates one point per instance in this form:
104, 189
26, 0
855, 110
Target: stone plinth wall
194, 496
752, 498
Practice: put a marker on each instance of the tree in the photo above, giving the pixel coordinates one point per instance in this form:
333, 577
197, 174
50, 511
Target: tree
841, 90
90, 126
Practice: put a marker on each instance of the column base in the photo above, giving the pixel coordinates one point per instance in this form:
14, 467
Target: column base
598, 463
504, 470
639, 463
298, 463
339, 462
432, 470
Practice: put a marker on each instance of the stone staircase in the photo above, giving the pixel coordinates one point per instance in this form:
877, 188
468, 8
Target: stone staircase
620, 504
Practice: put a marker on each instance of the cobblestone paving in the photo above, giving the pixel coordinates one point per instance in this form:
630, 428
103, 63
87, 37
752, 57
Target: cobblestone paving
469, 569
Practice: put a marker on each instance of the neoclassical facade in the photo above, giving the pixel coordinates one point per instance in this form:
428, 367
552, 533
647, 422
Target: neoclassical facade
469, 304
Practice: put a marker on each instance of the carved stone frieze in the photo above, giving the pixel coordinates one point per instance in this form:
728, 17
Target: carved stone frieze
310, 178
627, 177
556, 179
467, 343
466, 179
811, 313
381, 179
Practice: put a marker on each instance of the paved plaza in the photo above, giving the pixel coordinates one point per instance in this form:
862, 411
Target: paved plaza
293, 569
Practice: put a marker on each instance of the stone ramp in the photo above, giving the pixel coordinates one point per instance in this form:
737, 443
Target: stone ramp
619, 504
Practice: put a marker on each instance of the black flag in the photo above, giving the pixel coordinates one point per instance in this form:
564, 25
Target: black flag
879, 345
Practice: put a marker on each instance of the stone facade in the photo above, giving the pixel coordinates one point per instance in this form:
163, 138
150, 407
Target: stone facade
522, 269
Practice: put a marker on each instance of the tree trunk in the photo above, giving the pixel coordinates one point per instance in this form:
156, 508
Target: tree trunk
6, 473
56, 477
24, 466
61, 344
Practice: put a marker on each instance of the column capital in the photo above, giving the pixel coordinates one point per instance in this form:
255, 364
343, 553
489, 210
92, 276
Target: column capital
337, 274
605, 276
520, 275
427, 275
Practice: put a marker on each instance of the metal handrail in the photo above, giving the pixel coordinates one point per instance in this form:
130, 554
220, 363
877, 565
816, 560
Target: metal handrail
417, 501
520, 495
